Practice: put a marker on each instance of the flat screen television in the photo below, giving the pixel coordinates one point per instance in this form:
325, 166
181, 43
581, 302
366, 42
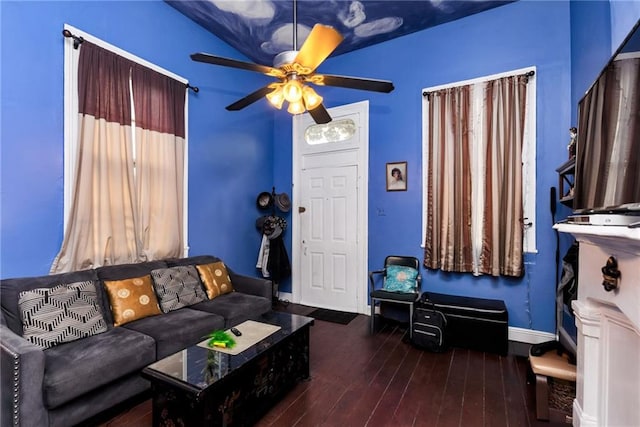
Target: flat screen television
607, 169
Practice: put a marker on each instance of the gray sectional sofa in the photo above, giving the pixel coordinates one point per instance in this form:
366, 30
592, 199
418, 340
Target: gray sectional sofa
68, 383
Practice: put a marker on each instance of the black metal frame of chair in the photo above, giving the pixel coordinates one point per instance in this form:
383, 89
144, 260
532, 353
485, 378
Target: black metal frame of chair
380, 295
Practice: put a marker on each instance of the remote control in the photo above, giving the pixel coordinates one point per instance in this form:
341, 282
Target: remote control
236, 332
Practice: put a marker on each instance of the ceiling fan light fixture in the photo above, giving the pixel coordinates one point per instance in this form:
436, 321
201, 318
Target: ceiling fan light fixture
292, 90
276, 97
311, 98
295, 69
296, 107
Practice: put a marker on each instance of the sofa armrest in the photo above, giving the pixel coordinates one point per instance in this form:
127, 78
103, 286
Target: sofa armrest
22, 370
251, 285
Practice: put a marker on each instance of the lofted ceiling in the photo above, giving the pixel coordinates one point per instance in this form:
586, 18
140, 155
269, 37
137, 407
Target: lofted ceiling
261, 29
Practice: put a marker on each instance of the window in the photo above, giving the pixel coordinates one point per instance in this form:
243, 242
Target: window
335, 131
478, 140
119, 162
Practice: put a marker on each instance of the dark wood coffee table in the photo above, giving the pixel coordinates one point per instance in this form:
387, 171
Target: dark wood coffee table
202, 387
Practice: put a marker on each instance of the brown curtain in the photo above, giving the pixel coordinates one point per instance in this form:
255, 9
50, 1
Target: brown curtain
502, 222
448, 235
102, 222
159, 103
474, 178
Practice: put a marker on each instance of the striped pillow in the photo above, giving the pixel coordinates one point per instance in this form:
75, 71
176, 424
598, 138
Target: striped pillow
177, 287
64, 313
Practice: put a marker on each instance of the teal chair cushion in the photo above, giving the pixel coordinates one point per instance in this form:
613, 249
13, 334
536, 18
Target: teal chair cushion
400, 279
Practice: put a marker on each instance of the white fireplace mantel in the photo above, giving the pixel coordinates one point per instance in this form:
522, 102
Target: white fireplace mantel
608, 323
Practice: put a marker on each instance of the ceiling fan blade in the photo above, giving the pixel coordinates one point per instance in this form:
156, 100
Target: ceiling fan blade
249, 99
227, 62
352, 82
322, 40
320, 115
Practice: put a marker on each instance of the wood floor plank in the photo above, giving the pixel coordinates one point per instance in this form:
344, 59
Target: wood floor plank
386, 411
418, 386
359, 379
495, 407
432, 397
367, 386
379, 384
515, 399
473, 398
450, 411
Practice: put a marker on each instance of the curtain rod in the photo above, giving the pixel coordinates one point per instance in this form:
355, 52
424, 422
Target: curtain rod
527, 75
78, 40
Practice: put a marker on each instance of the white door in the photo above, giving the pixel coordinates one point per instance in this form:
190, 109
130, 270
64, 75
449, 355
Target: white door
328, 237
330, 218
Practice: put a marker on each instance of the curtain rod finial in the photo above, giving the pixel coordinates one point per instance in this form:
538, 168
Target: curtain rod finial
76, 40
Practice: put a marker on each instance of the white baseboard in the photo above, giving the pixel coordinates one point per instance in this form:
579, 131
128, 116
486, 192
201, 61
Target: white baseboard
529, 336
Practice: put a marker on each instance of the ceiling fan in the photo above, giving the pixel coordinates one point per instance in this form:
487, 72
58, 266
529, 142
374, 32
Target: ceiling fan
294, 69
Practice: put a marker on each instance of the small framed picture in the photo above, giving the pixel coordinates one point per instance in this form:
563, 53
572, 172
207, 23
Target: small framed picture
397, 176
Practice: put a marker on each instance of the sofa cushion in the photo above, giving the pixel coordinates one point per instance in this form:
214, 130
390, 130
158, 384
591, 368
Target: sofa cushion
125, 271
131, 299
120, 272
215, 278
177, 329
192, 260
10, 290
64, 313
75, 368
177, 287
241, 283
236, 307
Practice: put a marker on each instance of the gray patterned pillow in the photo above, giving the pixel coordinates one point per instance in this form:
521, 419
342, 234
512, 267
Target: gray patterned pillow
178, 287
63, 313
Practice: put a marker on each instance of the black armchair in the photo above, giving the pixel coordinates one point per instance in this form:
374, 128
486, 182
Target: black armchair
401, 284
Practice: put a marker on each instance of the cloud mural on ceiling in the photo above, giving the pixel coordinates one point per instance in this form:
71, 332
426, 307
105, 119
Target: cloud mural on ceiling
282, 39
261, 29
354, 16
247, 9
379, 26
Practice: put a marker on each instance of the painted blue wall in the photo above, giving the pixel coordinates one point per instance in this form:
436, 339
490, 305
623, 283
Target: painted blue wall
230, 154
234, 156
502, 39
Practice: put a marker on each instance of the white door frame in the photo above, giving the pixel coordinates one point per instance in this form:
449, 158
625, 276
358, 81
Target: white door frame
362, 234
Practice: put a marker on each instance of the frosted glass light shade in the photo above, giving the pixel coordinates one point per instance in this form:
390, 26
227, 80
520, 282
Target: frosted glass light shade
296, 107
276, 97
292, 91
311, 98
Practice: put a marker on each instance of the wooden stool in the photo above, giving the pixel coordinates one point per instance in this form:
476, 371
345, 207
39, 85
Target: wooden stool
550, 365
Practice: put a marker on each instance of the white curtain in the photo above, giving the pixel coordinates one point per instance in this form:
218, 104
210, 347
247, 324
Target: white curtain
160, 150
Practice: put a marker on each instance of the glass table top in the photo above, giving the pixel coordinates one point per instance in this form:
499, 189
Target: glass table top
197, 367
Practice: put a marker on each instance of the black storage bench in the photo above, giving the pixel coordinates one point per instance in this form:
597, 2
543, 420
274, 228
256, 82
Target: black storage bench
475, 323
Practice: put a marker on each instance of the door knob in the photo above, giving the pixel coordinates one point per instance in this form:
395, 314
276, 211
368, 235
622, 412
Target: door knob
301, 209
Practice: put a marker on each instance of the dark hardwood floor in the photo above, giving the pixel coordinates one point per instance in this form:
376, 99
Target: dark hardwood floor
358, 379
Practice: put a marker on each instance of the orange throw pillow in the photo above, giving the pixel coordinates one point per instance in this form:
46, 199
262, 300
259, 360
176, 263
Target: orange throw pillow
215, 278
132, 299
